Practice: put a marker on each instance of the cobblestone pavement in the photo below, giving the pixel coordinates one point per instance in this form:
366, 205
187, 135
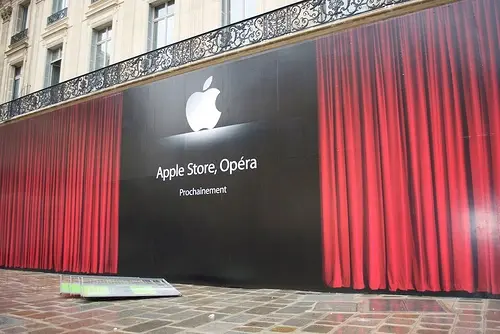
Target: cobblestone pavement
30, 303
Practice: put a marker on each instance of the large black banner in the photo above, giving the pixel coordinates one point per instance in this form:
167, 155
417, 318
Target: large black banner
220, 174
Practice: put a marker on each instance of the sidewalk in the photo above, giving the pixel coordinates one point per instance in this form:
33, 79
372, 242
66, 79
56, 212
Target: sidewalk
31, 303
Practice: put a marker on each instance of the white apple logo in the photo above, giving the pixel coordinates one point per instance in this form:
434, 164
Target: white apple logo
201, 111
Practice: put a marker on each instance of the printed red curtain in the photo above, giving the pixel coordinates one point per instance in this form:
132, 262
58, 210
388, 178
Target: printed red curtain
59, 188
409, 114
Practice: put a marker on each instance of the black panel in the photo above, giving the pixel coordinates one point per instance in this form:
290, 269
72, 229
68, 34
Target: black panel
266, 230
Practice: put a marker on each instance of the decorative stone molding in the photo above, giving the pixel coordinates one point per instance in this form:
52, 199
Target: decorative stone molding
6, 13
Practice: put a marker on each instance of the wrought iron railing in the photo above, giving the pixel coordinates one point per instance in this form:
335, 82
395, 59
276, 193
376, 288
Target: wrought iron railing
18, 37
280, 22
57, 16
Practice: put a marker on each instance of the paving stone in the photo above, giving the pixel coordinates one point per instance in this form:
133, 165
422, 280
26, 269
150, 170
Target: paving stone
146, 326
81, 324
328, 297
327, 323
494, 304
59, 320
473, 312
394, 329
430, 331
353, 330
166, 330
338, 317
364, 322
172, 310
274, 319
418, 305
468, 324
397, 321
9, 321
248, 329
372, 316
35, 325
44, 315
470, 317
199, 320
283, 329
50, 330
217, 327
183, 315
126, 322
435, 326
103, 327
15, 330
294, 310
153, 316
493, 315
261, 310
493, 325
317, 329
458, 330
436, 320
384, 305
469, 306
240, 318
406, 316
298, 322
231, 310
336, 307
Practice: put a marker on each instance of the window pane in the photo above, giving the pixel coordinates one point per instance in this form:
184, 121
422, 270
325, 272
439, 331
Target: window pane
159, 34
237, 10
170, 7
103, 34
109, 48
56, 54
100, 56
17, 72
22, 18
55, 73
58, 5
15, 88
250, 8
100, 35
170, 30
160, 11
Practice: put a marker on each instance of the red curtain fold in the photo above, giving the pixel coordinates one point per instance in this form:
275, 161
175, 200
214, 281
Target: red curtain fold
409, 116
59, 189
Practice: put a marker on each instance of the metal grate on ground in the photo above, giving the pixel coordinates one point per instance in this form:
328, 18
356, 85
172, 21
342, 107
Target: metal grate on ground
115, 286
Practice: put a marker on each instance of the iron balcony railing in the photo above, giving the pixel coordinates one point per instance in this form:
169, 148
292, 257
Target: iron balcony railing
287, 20
57, 16
18, 37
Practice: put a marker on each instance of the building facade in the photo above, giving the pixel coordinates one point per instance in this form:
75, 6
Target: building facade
45, 42
328, 144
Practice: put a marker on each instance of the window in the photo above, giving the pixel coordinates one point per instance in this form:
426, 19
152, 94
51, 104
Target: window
22, 17
161, 24
16, 82
237, 10
101, 48
54, 62
58, 5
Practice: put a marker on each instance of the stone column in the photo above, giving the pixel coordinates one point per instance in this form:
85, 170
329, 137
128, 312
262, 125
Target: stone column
5, 14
